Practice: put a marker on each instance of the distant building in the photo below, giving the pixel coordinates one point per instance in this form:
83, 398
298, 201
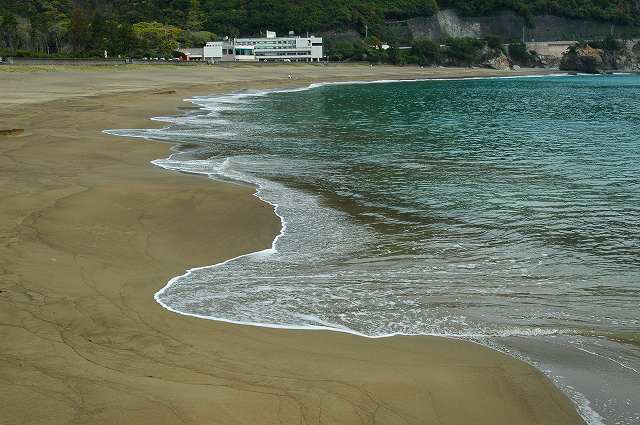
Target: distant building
240, 52
211, 52
274, 48
269, 48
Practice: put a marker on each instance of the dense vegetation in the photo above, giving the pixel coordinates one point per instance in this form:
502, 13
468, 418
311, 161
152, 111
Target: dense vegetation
617, 11
156, 27
463, 51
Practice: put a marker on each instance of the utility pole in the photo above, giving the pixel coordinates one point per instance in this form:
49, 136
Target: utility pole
366, 31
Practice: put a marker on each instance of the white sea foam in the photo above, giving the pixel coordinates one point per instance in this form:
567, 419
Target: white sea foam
270, 192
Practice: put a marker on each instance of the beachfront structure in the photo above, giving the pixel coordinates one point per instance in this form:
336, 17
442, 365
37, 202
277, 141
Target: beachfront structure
211, 52
269, 48
274, 48
239, 52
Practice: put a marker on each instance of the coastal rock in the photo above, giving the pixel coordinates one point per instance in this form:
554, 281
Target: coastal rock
539, 60
625, 57
500, 62
547, 61
583, 59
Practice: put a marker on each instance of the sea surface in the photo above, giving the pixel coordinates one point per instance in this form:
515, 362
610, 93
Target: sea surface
505, 211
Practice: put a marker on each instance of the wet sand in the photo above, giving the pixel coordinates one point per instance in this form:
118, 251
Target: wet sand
90, 230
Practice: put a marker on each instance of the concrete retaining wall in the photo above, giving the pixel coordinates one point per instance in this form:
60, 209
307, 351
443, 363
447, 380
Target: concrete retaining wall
509, 26
550, 48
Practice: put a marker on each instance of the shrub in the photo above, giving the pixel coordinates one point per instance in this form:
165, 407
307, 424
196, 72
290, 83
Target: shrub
610, 43
519, 53
495, 42
464, 50
426, 52
342, 48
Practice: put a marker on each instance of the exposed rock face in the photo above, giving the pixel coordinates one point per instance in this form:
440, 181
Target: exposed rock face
536, 60
545, 61
626, 59
501, 62
583, 59
590, 60
508, 25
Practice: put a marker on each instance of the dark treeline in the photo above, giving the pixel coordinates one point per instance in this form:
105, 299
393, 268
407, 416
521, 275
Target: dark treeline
615, 11
157, 27
464, 51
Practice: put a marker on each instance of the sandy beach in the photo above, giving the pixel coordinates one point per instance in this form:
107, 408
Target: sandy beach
90, 230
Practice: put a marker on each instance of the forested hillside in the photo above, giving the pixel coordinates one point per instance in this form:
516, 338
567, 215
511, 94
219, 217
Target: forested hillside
86, 27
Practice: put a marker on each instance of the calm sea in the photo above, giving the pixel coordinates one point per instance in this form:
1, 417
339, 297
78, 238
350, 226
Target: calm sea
506, 211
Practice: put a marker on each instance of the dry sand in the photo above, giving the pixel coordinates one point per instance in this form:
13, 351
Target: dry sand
89, 230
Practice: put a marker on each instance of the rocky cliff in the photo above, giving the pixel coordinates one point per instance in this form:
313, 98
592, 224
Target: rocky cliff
509, 26
585, 58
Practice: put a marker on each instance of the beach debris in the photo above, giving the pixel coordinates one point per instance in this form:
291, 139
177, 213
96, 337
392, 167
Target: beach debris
165, 92
12, 132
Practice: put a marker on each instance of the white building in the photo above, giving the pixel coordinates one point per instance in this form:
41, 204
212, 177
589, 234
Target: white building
241, 52
211, 52
269, 48
291, 48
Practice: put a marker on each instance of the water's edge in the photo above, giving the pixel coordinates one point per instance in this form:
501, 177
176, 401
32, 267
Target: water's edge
158, 162
580, 401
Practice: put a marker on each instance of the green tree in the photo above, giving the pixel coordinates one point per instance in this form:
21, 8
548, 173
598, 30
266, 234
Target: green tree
610, 44
519, 53
195, 38
42, 26
121, 39
395, 56
195, 17
426, 52
495, 42
8, 31
155, 39
79, 33
464, 50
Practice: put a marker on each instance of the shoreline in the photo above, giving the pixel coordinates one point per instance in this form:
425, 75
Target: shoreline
282, 218
76, 316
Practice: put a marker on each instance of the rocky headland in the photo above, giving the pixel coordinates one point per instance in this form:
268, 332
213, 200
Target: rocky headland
602, 57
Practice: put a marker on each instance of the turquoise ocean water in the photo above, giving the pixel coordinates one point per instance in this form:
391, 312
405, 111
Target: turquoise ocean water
506, 211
